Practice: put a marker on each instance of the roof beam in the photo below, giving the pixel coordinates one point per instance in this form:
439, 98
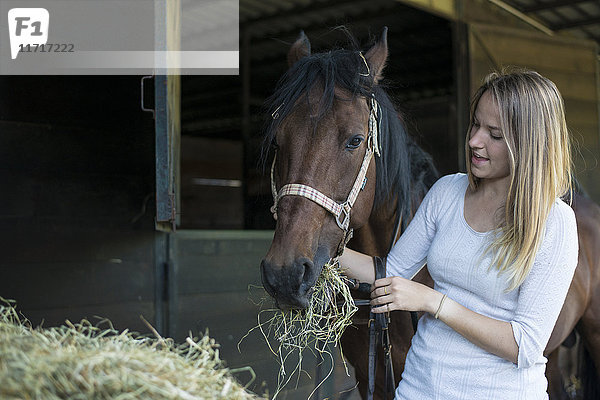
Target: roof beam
510, 8
576, 24
550, 5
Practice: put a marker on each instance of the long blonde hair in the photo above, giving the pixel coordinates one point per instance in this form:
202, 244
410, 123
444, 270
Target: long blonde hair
532, 120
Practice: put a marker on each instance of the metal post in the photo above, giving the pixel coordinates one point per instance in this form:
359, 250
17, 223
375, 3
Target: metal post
462, 87
246, 127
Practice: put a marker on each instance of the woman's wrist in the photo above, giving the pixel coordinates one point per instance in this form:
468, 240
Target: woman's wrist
434, 301
357, 266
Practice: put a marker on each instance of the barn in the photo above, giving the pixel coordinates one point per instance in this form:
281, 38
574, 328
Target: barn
143, 195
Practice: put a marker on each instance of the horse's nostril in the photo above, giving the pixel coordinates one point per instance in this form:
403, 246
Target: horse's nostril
265, 279
308, 277
309, 271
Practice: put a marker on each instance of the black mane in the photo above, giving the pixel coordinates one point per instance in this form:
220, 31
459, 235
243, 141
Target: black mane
403, 169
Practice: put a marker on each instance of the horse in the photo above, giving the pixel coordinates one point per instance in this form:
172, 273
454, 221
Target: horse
321, 133
581, 310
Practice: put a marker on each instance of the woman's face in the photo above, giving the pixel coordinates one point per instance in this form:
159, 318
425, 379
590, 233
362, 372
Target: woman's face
489, 151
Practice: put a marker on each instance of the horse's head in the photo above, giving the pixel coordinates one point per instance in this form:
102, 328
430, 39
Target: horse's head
321, 109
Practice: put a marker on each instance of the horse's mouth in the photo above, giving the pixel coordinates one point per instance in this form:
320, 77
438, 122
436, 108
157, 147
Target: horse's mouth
300, 303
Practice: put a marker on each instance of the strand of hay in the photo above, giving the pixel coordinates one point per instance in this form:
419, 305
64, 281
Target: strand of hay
295, 331
81, 361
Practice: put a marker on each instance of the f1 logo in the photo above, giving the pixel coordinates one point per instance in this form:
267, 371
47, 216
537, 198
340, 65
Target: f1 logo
28, 26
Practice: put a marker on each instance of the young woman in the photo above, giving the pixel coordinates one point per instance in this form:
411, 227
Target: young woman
500, 245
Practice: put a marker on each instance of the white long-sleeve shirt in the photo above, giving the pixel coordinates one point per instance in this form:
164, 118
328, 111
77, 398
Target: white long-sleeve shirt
442, 364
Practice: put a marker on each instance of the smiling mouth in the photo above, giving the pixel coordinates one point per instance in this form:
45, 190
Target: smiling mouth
477, 157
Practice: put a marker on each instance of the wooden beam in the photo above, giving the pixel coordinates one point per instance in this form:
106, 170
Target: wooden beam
576, 24
522, 16
441, 8
246, 120
462, 89
550, 5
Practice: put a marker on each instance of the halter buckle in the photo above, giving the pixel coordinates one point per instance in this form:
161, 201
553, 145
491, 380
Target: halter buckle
343, 219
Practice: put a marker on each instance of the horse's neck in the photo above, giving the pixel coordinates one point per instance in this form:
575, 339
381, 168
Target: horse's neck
374, 238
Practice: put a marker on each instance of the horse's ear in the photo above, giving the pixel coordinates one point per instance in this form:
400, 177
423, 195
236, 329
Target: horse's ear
300, 48
377, 56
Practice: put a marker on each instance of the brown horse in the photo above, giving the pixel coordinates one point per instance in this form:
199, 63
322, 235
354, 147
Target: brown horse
581, 310
320, 129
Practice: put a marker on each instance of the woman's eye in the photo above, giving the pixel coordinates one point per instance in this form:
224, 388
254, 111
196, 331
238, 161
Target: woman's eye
354, 142
496, 134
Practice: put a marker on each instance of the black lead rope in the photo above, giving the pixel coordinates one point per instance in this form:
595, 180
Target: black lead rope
378, 331
379, 323
399, 226
415, 320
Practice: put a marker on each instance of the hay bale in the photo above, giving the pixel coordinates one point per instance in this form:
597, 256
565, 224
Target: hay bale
81, 361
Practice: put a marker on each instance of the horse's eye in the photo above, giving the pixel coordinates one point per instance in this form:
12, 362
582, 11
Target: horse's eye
354, 142
274, 145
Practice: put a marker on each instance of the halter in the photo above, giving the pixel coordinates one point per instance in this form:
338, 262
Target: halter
340, 211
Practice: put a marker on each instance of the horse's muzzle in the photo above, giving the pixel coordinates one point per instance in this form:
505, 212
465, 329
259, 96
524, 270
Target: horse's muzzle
291, 286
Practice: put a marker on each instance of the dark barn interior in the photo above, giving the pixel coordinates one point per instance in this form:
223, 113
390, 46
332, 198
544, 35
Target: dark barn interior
222, 116
77, 172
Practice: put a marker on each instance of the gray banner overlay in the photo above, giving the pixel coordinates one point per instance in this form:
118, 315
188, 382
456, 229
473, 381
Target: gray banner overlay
116, 37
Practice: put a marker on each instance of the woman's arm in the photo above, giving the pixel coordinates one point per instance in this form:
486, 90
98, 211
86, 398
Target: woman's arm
357, 266
495, 336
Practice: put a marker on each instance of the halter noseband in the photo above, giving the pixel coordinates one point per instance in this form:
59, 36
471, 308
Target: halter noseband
340, 211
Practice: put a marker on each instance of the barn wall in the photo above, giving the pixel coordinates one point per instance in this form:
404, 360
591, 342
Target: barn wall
76, 211
211, 177
570, 64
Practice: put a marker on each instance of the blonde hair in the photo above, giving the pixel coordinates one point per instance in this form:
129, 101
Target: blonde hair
532, 121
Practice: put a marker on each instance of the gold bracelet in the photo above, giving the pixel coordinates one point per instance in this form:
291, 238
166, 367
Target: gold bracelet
437, 313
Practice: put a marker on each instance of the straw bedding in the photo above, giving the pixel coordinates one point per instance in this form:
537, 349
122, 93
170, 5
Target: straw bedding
81, 361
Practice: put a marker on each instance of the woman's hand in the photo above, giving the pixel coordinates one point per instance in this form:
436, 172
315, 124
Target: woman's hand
396, 293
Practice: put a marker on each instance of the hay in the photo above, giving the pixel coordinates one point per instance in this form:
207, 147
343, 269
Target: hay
81, 361
315, 329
